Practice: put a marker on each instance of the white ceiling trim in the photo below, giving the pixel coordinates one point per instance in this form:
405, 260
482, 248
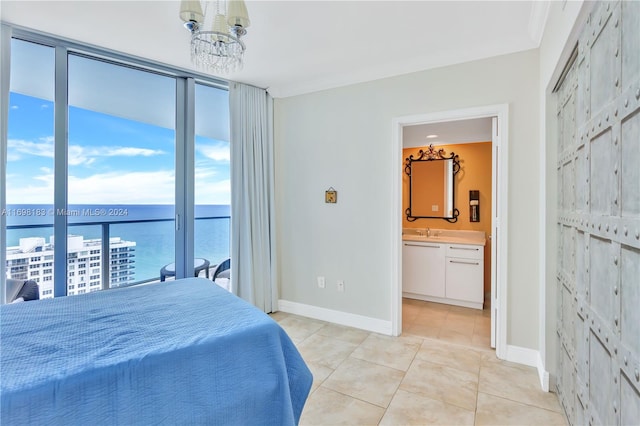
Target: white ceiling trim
538, 20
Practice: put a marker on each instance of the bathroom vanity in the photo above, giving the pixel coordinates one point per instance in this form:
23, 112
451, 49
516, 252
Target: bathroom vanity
444, 266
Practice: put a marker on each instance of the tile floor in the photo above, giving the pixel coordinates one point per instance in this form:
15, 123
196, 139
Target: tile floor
440, 371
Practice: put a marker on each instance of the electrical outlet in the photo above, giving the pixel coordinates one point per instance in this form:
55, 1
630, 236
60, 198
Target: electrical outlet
341, 286
321, 282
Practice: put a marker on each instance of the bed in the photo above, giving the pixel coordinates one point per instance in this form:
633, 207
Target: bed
179, 352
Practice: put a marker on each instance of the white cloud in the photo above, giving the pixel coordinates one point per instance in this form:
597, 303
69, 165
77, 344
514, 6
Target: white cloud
18, 147
87, 155
77, 154
39, 190
15, 107
123, 187
157, 187
213, 192
12, 156
211, 186
220, 151
129, 152
204, 173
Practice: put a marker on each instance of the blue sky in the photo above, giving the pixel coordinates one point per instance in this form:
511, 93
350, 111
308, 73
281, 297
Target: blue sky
111, 160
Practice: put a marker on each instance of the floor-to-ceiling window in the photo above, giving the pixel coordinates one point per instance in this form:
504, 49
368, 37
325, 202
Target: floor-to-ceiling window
212, 174
121, 173
30, 165
122, 134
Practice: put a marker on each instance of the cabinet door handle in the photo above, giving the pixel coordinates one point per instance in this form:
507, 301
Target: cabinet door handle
420, 245
466, 263
462, 248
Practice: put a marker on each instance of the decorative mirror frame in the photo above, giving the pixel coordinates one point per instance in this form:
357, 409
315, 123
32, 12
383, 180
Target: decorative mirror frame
432, 154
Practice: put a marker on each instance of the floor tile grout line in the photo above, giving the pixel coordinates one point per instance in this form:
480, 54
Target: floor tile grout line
475, 412
360, 399
354, 397
440, 400
519, 402
522, 403
339, 364
404, 373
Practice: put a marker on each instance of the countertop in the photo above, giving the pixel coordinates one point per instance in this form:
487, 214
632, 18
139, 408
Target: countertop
444, 236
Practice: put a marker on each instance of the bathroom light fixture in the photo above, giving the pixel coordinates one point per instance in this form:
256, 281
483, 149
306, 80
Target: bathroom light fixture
218, 50
431, 136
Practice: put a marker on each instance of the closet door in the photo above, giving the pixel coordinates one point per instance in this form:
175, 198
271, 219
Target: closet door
599, 221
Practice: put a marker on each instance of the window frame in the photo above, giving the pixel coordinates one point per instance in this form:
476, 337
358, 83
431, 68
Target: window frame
185, 143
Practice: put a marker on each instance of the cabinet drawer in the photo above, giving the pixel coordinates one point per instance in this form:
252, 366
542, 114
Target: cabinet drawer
422, 271
465, 251
465, 280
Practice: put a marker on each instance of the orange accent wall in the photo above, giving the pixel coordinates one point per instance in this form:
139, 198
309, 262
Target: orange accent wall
475, 174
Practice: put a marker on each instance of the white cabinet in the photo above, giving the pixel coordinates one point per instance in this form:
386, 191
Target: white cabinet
444, 273
422, 268
465, 274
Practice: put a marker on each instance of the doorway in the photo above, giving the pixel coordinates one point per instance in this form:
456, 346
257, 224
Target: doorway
499, 116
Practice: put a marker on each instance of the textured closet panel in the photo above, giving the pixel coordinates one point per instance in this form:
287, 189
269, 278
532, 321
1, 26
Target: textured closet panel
582, 179
629, 407
602, 391
598, 171
601, 277
629, 296
602, 190
630, 41
630, 135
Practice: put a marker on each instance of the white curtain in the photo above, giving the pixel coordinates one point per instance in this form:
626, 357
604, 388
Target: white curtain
253, 249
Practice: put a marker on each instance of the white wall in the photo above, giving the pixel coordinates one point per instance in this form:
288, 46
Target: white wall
341, 138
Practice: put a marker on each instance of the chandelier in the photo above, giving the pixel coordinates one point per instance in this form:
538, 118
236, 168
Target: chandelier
218, 50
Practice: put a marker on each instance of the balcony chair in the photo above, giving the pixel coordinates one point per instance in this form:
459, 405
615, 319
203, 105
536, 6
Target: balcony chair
22, 290
223, 271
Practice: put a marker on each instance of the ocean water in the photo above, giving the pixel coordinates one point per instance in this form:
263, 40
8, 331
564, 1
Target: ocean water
155, 241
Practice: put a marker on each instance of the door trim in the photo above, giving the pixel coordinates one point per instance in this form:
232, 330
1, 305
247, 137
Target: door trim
499, 217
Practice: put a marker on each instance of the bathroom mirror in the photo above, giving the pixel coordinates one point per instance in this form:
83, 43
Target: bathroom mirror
431, 185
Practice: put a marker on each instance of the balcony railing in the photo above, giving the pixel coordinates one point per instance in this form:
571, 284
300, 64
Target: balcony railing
123, 256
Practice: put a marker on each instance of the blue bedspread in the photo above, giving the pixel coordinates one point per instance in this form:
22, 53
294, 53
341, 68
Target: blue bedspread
180, 352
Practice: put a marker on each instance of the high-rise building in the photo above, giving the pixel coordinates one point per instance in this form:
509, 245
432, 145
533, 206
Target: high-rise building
33, 259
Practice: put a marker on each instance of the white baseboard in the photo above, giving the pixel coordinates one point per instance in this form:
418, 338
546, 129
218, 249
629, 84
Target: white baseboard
336, 317
446, 301
532, 358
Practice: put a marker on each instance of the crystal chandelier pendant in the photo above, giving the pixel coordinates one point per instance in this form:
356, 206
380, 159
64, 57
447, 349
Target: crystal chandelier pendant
216, 51
219, 50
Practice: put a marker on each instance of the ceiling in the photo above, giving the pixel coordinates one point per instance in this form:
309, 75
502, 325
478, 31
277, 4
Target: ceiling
296, 47
447, 132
